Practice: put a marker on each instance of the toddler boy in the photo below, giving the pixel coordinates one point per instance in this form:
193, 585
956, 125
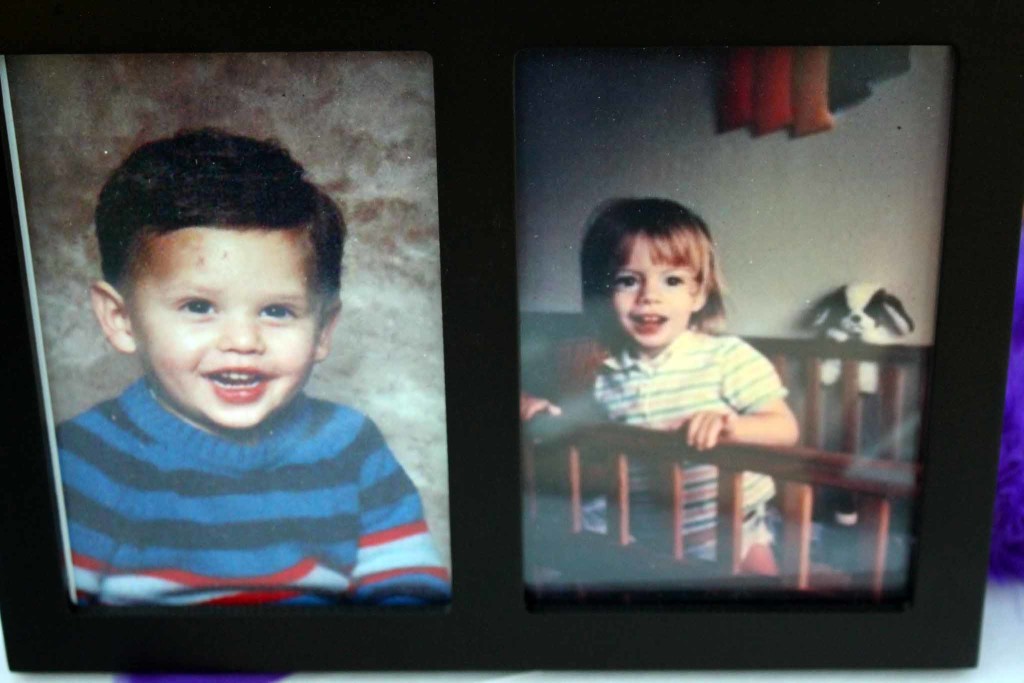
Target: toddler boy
214, 479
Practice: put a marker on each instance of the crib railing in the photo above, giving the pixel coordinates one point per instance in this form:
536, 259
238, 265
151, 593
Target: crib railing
901, 383
557, 452
554, 451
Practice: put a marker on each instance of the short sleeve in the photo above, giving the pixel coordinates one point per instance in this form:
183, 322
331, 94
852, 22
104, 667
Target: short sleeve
749, 380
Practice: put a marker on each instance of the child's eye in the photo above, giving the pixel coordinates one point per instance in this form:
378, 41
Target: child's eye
198, 306
675, 280
625, 281
278, 311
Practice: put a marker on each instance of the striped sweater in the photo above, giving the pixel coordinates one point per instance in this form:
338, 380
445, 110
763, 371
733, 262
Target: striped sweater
316, 511
696, 373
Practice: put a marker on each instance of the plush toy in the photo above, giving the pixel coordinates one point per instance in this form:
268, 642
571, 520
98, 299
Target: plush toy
863, 312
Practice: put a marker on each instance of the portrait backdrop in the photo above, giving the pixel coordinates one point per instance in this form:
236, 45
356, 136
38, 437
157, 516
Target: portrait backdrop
363, 127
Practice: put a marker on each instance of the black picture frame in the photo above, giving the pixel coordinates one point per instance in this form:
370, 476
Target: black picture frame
488, 625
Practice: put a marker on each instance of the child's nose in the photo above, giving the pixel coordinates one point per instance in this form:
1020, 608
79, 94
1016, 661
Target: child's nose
649, 291
241, 335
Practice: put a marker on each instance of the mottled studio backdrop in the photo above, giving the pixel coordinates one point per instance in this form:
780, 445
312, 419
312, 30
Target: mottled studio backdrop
361, 124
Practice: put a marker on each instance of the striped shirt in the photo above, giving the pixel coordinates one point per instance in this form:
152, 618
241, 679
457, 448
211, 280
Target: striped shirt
696, 373
316, 511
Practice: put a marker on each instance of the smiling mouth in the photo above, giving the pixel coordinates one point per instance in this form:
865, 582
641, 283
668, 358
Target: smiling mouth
235, 378
238, 386
647, 324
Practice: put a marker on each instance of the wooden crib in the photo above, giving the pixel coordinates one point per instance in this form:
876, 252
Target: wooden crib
563, 457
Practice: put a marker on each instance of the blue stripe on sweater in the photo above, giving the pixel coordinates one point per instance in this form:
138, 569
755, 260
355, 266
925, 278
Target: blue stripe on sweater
156, 505
138, 474
404, 511
178, 533
405, 589
217, 563
341, 430
377, 465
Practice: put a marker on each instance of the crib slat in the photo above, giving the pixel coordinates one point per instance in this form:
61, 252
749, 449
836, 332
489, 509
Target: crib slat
797, 503
678, 512
575, 490
876, 513
618, 515
893, 385
874, 517
812, 404
851, 406
730, 521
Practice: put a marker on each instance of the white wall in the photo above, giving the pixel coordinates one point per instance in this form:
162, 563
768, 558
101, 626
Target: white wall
793, 217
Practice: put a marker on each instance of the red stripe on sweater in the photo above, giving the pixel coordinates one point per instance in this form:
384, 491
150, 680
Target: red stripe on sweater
253, 598
436, 572
393, 534
289, 575
86, 562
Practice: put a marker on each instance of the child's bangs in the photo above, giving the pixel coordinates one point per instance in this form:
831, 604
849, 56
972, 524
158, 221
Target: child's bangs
682, 247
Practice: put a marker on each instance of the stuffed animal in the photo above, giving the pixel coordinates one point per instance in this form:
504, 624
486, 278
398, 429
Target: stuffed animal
863, 312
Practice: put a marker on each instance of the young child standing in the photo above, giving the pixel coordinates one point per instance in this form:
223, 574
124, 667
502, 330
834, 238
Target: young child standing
653, 287
214, 479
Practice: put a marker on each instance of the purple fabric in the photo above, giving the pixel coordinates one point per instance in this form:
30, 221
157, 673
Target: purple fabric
200, 678
1007, 557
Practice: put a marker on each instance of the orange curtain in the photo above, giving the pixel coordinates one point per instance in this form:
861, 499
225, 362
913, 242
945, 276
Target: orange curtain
773, 88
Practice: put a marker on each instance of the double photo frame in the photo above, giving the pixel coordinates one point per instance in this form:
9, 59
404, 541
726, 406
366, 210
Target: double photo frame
473, 154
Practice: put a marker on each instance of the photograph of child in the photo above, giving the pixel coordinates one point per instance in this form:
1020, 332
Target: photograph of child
649, 270
199, 460
813, 178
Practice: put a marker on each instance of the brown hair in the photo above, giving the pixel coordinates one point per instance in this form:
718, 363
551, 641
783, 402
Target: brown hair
213, 178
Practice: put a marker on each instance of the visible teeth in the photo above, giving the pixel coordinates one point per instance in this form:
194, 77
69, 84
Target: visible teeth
235, 378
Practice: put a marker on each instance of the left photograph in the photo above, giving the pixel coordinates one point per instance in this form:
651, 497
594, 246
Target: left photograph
233, 269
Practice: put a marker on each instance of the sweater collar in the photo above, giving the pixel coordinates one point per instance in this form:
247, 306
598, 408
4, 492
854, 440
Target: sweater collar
185, 445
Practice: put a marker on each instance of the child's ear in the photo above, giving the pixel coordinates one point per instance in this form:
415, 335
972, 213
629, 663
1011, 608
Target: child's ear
700, 300
328, 321
111, 312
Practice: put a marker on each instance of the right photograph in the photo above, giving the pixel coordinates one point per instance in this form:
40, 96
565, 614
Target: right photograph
728, 265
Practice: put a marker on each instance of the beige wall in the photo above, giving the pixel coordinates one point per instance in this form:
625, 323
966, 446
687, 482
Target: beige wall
793, 217
361, 124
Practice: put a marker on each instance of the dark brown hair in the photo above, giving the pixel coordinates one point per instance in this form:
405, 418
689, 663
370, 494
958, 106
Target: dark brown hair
212, 178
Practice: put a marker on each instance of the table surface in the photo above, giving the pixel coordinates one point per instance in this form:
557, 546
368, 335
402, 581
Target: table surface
1002, 660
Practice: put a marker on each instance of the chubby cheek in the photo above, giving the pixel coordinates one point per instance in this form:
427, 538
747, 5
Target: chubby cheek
622, 304
290, 350
297, 352
176, 349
